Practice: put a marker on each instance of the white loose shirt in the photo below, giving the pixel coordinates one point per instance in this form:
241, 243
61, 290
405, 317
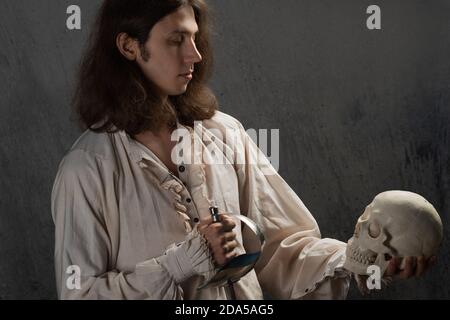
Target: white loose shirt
118, 210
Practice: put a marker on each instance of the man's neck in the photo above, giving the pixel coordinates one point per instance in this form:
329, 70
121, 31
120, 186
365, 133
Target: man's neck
161, 145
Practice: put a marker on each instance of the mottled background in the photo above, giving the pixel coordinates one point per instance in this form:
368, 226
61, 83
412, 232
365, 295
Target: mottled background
359, 112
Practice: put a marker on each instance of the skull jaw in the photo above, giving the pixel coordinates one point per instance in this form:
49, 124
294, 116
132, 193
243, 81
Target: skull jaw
382, 263
359, 260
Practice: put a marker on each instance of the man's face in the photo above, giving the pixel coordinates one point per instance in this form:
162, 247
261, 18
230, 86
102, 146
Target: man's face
172, 52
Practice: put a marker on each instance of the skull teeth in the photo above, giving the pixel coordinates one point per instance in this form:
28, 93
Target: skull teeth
359, 257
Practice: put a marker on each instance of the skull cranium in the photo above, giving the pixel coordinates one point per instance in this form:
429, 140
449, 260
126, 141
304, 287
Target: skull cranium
396, 224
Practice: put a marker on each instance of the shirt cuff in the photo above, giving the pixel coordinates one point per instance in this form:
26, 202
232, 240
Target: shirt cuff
333, 270
188, 258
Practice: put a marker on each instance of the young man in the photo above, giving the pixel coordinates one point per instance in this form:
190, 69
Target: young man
134, 222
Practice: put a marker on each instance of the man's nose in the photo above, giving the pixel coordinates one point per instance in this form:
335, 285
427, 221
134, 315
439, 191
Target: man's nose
192, 54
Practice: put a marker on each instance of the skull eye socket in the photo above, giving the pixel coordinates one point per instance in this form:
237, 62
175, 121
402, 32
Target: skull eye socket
357, 230
374, 230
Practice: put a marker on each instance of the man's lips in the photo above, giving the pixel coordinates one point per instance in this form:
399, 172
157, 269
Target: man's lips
187, 75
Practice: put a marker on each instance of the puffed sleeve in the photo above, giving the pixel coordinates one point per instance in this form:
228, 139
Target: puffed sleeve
295, 262
82, 242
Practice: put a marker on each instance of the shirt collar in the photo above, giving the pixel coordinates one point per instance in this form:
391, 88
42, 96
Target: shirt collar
137, 151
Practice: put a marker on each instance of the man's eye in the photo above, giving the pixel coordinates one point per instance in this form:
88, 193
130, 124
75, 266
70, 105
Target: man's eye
177, 41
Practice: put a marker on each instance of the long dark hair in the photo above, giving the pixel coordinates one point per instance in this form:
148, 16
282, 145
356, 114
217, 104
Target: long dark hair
113, 94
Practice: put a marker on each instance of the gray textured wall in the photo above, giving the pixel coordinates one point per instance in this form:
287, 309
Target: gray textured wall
360, 112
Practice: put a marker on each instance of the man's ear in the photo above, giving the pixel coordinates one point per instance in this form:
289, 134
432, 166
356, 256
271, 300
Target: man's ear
127, 46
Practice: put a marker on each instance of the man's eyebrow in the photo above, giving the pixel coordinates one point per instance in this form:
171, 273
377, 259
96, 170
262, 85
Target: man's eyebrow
184, 32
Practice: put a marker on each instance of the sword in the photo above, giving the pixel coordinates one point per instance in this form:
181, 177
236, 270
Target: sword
239, 266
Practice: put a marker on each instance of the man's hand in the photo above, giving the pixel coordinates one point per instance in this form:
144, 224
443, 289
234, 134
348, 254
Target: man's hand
414, 267
220, 237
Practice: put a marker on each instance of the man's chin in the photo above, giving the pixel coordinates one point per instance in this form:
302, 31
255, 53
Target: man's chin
179, 92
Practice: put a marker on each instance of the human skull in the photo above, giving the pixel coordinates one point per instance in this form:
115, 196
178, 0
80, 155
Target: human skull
395, 224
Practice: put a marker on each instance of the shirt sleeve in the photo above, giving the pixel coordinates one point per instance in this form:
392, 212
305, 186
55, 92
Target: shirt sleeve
295, 262
82, 243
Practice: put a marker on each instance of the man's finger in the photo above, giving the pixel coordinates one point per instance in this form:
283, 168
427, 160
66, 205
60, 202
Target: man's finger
431, 261
392, 267
226, 219
229, 246
409, 268
202, 228
205, 221
421, 266
228, 236
230, 255
228, 224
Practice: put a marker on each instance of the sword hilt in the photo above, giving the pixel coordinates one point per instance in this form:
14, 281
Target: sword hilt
214, 214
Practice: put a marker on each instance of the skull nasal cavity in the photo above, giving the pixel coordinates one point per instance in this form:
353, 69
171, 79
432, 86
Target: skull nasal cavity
374, 230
